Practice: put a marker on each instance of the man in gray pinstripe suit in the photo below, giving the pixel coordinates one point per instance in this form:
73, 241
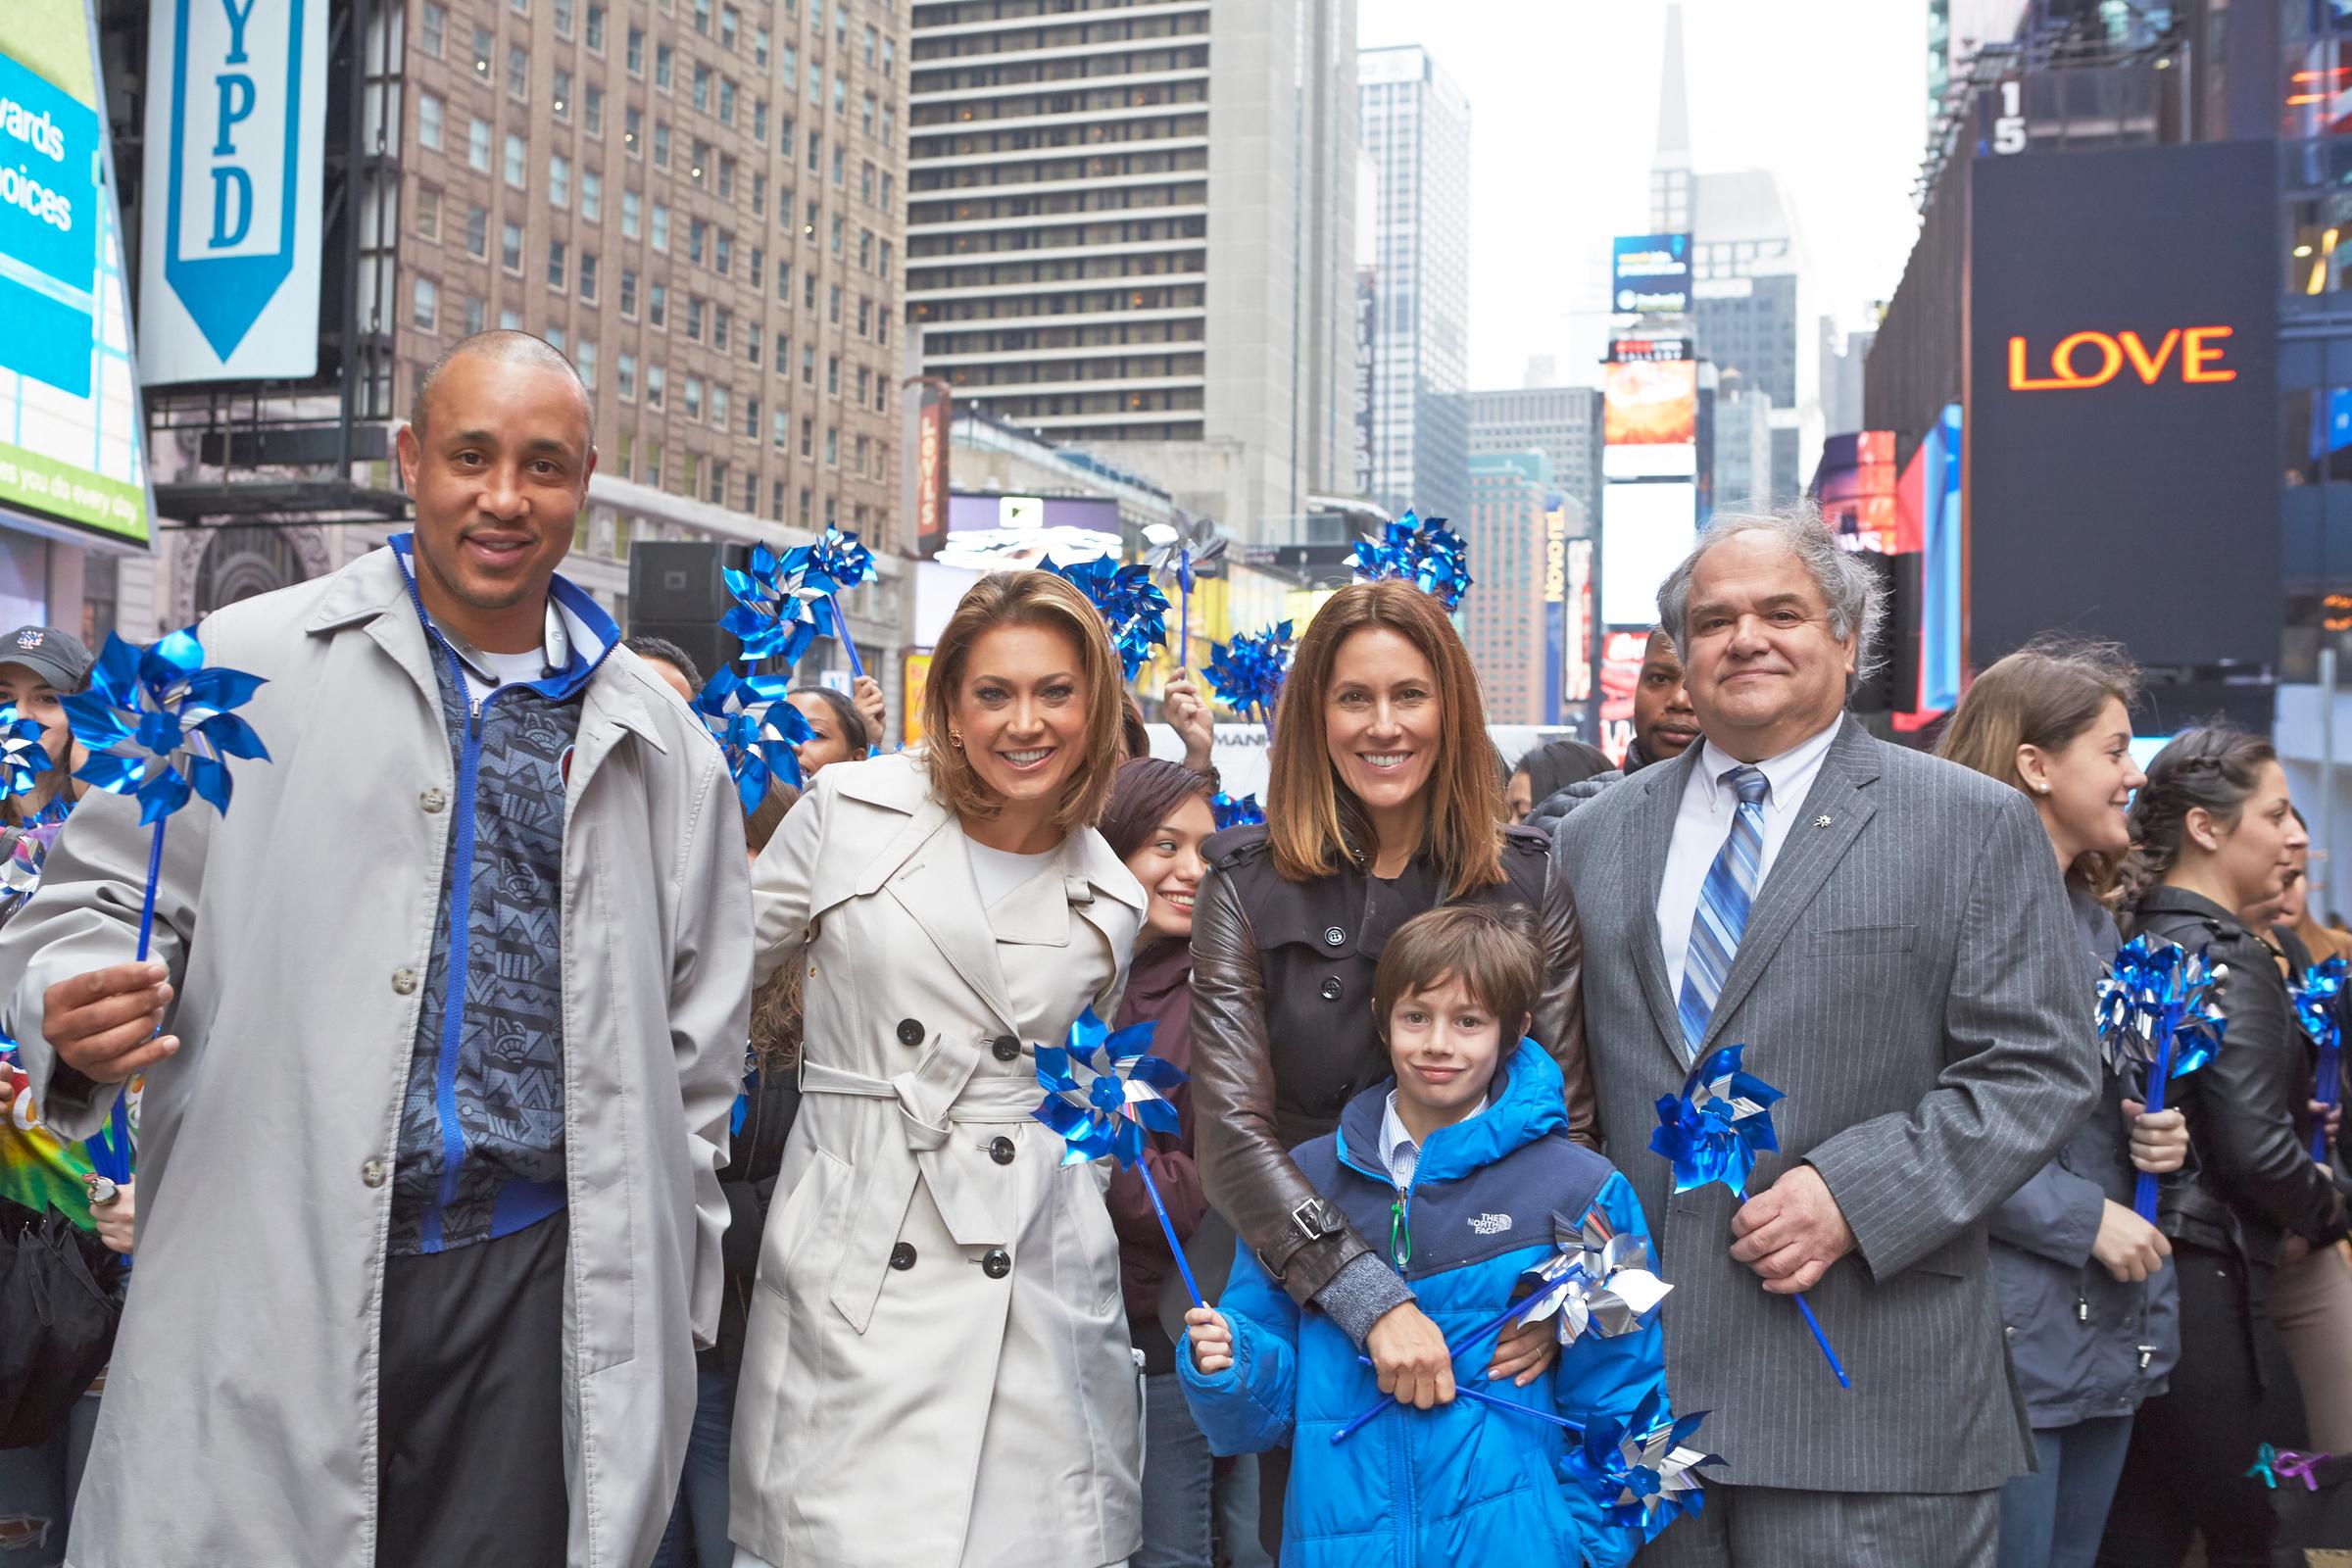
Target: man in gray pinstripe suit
1888, 934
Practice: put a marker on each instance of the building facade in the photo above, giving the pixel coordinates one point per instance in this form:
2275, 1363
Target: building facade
1743, 454
1502, 619
1417, 130
1564, 422
1064, 276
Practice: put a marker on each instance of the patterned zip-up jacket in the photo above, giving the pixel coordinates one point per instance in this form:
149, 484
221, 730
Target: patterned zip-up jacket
481, 1125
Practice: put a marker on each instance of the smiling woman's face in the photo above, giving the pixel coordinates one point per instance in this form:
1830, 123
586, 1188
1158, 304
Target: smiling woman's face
1021, 711
1381, 717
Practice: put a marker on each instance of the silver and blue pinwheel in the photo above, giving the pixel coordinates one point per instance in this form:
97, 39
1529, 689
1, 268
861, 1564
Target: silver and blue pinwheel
1228, 810
1178, 550
757, 731
158, 726
1642, 1468
1713, 1132
1135, 613
23, 756
1423, 552
829, 568
2160, 1016
1248, 672
1104, 1092
2319, 1010
777, 614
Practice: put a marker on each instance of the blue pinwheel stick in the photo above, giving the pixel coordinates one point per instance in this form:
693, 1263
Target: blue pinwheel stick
1713, 1133
158, 726
1104, 1092
2158, 1018
2320, 1009
834, 564
1177, 550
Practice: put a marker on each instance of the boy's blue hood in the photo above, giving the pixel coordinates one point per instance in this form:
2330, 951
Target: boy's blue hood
1525, 1102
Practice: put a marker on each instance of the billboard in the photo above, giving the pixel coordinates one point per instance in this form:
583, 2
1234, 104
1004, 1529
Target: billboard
1645, 530
236, 131
1855, 486
1649, 419
1579, 678
1621, 656
1651, 275
988, 532
71, 447
931, 468
2121, 468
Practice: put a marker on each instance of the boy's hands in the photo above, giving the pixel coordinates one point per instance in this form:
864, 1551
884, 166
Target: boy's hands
1213, 1340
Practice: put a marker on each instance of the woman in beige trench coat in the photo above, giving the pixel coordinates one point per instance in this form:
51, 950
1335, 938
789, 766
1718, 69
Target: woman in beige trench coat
936, 1372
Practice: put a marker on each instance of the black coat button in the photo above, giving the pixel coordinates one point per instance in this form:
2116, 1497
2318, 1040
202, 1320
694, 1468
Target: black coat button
1332, 988
901, 1256
911, 1032
996, 1263
1000, 1149
1005, 1048
1332, 936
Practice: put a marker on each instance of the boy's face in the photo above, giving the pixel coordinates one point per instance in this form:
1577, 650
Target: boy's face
1444, 1045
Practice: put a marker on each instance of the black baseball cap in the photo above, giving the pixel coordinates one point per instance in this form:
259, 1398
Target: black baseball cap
57, 656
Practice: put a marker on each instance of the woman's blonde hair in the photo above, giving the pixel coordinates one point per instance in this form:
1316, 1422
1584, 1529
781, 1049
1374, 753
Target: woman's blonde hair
2044, 695
1026, 599
1313, 820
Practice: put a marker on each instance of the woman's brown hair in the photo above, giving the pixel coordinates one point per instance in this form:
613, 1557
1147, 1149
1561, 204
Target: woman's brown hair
1024, 599
1314, 820
2045, 696
777, 1005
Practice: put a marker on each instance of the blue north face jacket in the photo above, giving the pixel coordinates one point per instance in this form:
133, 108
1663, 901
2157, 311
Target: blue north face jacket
1463, 1482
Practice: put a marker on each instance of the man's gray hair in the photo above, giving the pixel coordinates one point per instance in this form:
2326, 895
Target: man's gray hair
1855, 595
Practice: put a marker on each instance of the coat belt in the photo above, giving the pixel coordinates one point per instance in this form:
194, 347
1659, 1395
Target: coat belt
931, 1100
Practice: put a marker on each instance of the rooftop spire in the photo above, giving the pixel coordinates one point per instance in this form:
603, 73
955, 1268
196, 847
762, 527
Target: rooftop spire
1674, 97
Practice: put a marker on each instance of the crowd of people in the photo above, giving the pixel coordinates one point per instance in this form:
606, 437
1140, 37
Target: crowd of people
544, 1158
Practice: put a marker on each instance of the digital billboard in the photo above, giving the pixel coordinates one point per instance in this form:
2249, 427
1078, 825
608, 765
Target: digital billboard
2120, 467
988, 532
1855, 486
1621, 656
71, 449
1645, 530
1649, 419
1651, 275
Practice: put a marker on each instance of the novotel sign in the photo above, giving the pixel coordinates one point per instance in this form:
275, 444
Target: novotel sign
2194, 356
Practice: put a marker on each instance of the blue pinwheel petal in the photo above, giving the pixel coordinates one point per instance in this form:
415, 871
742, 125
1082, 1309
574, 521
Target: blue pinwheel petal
1158, 1117
232, 736
174, 655
209, 780
1054, 1070
167, 792
221, 688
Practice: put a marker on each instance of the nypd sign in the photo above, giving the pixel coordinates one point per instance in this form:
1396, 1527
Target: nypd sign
237, 117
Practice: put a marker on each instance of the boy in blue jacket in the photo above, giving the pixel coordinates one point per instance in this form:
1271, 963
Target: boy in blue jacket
1464, 1161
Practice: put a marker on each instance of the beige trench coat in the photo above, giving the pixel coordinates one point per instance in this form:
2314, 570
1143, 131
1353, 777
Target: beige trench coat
937, 1370
239, 1424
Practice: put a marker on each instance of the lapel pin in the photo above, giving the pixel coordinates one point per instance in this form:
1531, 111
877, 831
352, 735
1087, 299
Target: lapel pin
1821, 821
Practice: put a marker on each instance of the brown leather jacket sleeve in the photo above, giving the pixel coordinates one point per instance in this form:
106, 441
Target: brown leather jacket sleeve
1559, 1023
1249, 1175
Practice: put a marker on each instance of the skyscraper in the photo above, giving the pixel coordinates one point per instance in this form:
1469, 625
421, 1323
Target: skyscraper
1062, 269
1416, 127
1503, 620
1564, 422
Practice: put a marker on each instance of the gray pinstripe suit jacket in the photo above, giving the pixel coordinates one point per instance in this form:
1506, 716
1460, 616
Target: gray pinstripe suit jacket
1910, 978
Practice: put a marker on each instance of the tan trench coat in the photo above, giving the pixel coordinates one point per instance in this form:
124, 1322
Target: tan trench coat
239, 1424
937, 1371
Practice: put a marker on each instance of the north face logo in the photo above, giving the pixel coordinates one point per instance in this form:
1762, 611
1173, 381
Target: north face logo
1490, 1224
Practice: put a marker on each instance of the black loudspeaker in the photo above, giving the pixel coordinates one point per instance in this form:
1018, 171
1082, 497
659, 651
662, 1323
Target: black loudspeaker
678, 592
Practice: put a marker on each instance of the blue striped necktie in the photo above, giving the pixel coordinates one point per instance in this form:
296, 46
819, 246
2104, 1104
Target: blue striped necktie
1724, 901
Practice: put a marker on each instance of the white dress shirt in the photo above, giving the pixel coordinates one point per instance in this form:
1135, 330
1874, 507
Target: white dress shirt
1704, 822
1399, 1150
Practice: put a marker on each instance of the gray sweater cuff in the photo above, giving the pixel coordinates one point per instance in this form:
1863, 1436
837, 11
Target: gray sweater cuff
1360, 1295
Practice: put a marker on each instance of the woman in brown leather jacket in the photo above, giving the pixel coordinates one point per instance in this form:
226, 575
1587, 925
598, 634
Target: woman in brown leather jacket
1383, 803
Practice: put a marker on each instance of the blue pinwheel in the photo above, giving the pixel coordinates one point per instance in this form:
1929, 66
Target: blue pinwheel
830, 567
757, 731
1248, 672
1177, 550
1104, 1092
1134, 611
23, 756
776, 613
1422, 552
2159, 1017
20, 867
1713, 1132
1642, 1467
157, 724
2319, 1010
1228, 811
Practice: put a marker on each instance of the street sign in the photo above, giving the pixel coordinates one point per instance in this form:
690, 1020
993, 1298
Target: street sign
236, 136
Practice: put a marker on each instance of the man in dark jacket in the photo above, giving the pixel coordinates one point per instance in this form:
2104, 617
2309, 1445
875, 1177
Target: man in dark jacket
1664, 726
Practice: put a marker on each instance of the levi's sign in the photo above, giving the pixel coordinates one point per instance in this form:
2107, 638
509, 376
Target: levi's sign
2194, 356
234, 142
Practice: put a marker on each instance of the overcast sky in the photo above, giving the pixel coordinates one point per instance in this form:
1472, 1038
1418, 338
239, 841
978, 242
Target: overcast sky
1829, 94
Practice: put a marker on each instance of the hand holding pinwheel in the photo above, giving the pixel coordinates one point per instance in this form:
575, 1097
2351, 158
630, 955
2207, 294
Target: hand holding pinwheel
2319, 1010
1713, 1133
1424, 553
2158, 1019
158, 726
1248, 672
757, 731
830, 567
1134, 612
1102, 1093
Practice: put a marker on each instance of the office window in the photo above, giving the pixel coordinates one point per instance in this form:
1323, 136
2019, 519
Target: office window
554, 337
560, 98
661, 144
428, 211
841, 93
660, 235
837, 232
751, 492
808, 374
592, 196
784, 135
788, 67
510, 247
426, 306
758, 200
663, 61
632, 124
519, 72
722, 321
634, 55
731, 24
630, 205
595, 28
717, 493
563, 14
718, 406
833, 304
702, 16
518, 162
557, 266
722, 254
808, 438
759, 268
432, 24
702, 89
478, 315
558, 181
750, 418
696, 228
654, 383
694, 317
657, 305
428, 121
804, 511
832, 376
628, 292
583, 359
865, 314
624, 377
726, 100
477, 144
783, 351
588, 276
816, 151
481, 52
759, 46
779, 426
592, 111
694, 397
477, 233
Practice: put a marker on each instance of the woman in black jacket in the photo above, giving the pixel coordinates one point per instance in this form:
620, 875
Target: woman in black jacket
697, 1537
2215, 834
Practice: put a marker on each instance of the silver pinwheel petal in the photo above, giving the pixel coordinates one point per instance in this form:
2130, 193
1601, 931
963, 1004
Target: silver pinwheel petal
1598, 1282
21, 868
1182, 547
